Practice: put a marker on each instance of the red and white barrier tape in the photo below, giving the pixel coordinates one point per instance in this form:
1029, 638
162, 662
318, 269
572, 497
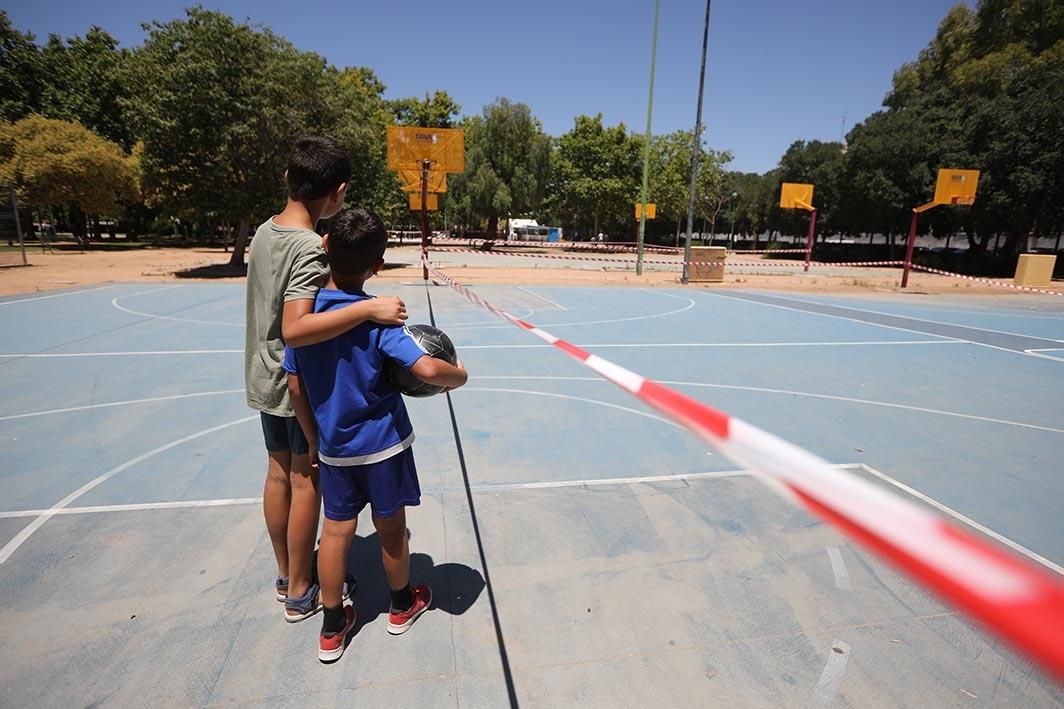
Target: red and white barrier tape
766, 251
1020, 602
574, 245
813, 264
627, 261
988, 281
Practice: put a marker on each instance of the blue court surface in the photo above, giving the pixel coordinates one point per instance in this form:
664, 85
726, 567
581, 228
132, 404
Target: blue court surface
583, 550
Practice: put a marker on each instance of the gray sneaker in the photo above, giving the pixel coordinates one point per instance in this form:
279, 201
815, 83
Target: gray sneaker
301, 608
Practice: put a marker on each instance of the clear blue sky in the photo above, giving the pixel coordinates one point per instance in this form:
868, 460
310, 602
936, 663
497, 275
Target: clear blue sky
777, 71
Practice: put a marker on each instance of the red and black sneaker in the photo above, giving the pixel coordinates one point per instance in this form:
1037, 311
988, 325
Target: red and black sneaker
331, 646
400, 621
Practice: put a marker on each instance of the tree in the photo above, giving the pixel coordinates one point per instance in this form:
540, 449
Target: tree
55, 164
84, 82
821, 164
594, 176
20, 72
506, 165
439, 111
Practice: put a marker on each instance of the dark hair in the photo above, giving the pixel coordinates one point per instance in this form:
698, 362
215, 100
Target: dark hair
316, 166
357, 240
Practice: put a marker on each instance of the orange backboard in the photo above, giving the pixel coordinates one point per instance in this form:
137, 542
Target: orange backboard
411, 180
796, 195
409, 146
652, 210
432, 202
956, 186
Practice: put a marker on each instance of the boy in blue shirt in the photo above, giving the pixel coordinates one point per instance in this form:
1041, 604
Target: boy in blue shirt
358, 425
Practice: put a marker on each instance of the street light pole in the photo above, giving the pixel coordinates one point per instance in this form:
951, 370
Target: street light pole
646, 149
696, 151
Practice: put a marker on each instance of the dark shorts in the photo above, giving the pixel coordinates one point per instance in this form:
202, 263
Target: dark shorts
386, 487
282, 433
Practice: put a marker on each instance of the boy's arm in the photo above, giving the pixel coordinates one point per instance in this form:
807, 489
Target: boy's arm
304, 415
301, 327
436, 371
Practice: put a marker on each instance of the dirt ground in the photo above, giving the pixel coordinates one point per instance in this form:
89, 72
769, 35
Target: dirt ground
66, 269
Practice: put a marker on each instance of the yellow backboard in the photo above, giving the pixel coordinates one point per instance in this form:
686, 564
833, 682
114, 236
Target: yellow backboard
432, 203
796, 195
411, 180
444, 147
652, 210
956, 186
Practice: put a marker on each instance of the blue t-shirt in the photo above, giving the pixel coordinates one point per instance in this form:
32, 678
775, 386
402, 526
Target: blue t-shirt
361, 417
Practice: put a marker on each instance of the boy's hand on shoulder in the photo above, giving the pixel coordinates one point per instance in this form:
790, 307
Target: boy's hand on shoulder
388, 310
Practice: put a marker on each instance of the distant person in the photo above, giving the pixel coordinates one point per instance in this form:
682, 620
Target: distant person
286, 266
601, 236
360, 431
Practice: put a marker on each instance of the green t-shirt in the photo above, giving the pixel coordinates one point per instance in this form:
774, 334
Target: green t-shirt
284, 263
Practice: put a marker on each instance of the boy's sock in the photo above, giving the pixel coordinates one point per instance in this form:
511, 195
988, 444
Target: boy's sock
402, 599
334, 621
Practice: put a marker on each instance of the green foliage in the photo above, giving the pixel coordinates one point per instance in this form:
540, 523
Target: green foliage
20, 72
85, 83
594, 177
439, 111
506, 166
57, 164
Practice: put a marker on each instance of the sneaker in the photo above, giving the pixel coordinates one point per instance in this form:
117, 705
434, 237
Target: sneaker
331, 647
400, 621
280, 586
298, 609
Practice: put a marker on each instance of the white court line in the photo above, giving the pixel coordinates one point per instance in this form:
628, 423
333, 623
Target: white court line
910, 317
504, 487
875, 324
620, 345
691, 304
1040, 352
838, 567
135, 507
543, 298
21, 537
153, 316
56, 355
109, 404
839, 343
1015, 546
552, 395
57, 295
836, 317
830, 679
790, 392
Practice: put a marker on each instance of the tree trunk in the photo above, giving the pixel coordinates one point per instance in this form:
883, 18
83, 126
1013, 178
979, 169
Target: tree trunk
239, 244
1057, 247
890, 243
595, 231
493, 226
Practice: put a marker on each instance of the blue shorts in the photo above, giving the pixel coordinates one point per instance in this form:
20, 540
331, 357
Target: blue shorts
386, 487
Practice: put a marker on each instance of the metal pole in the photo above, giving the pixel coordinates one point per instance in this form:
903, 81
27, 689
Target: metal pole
18, 229
809, 240
424, 218
909, 250
696, 152
646, 148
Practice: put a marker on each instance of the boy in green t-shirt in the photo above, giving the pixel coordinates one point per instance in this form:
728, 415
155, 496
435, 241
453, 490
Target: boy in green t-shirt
286, 267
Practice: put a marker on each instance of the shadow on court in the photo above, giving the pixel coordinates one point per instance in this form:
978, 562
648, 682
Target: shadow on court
455, 587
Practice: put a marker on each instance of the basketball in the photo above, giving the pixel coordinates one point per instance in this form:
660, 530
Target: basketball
435, 343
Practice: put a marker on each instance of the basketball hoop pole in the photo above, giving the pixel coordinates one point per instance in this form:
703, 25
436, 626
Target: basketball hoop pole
912, 242
424, 218
809, 240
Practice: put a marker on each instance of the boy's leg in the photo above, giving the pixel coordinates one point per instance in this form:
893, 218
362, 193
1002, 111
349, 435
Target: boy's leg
276, 502
407, 602
395, 548
336, 537
302, 524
